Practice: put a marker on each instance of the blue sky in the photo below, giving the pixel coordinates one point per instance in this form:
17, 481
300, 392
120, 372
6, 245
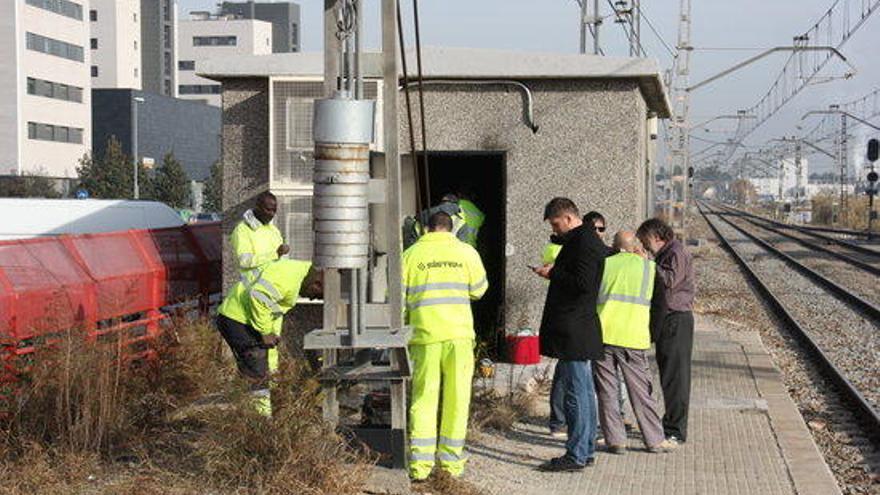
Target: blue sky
551, 25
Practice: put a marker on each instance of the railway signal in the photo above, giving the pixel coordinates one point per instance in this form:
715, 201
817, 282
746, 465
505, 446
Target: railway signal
873, 152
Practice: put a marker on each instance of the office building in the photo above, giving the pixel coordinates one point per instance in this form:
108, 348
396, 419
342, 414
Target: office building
45, 105
115, 43
284, 17
159, 46
207, 37
187, 129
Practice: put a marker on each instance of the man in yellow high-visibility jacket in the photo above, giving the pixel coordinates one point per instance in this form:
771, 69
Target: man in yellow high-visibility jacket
251, 316
441, 276
630, 303
255, 240
473, 220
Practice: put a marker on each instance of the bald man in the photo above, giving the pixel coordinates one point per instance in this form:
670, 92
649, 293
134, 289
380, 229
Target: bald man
629, 305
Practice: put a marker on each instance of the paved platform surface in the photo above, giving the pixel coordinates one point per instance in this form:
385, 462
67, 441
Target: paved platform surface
746, 437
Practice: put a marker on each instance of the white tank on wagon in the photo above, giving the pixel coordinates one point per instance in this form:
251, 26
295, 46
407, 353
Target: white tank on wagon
26, 218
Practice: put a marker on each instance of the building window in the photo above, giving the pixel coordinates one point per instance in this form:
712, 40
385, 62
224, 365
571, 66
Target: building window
167, 63
167, 32
135, 17
51, 46
199, 89
135, 72
294, 35
186, 65
94, 71
56, 133
215, 40
168, 88
135, 45
62, 7
94, 43
93, 15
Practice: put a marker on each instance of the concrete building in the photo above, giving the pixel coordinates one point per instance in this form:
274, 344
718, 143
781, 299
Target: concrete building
769, 186
116, 43
206, 37
159, 46
45, 106
187, 129
284, 17
516, 129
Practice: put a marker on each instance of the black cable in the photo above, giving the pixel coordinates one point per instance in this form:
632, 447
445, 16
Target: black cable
412, 137
422, 101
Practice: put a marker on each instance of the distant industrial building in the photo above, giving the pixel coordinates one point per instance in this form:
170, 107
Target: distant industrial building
115, 43
284, 17
45, 105
514, 129
189, 130
159, 46
207, 37
769, 187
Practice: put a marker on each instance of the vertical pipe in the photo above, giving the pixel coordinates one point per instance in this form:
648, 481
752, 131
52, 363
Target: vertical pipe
583, 24
426, 170
596, 26
353, 294
359, 49
134, 145
362, 300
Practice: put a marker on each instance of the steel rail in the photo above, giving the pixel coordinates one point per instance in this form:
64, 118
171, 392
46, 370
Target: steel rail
760, 223
870, 416
817, 233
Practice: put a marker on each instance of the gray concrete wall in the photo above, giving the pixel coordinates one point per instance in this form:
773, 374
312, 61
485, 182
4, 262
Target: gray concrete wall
590, 147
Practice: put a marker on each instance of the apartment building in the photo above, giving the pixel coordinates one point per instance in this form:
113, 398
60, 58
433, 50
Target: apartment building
115, 43
284, 17
207, 37
45, 105
159, 46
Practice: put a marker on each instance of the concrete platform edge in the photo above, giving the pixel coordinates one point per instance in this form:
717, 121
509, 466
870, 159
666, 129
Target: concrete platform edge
809, 472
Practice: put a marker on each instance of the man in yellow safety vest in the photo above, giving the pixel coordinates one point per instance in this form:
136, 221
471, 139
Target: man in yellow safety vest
473, 220
441, 276
629, 305
255, 240
251, 316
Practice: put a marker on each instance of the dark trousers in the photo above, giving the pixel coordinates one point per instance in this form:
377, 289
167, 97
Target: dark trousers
674, 350
247, 347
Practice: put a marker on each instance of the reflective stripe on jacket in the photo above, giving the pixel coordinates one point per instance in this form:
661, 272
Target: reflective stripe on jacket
441, 276
473, 220
255, 244
263, 303
624, 303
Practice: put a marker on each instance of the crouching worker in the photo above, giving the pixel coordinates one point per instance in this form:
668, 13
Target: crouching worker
631, 309
441, 276
251, 317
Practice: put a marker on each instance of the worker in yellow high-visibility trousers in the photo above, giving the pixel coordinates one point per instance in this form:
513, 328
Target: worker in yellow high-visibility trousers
441, 276
251, 316
255, 240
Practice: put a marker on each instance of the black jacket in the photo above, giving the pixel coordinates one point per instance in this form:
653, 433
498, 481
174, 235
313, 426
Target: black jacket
570, 328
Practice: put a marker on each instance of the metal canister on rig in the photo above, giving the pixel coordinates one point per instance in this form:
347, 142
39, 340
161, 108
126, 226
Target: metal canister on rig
343, 131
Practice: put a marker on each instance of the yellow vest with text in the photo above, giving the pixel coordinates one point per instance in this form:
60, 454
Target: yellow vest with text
441, 276
624, 303
255, 244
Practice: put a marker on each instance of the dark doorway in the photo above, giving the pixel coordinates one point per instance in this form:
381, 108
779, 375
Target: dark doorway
482, 178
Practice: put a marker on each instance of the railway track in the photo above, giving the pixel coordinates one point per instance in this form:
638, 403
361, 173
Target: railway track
839, 329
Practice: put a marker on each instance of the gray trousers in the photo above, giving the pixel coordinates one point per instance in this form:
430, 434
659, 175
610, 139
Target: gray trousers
633, 366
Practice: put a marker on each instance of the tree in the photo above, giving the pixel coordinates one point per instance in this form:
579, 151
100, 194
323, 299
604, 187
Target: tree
214, 189
743, 191
109, 176
170, 184
28, 186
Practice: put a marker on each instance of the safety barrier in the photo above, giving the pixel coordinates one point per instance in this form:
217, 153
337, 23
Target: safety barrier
117, 284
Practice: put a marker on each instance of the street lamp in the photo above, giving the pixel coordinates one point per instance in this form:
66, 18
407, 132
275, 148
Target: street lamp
134, 142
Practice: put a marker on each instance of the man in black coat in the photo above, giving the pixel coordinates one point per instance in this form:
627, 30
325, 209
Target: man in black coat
570, 328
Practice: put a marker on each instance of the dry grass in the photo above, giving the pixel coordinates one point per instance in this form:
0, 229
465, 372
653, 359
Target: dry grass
86, 421
491, 410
